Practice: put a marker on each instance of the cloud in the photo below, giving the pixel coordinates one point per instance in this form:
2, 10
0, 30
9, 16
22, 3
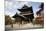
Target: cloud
11, 6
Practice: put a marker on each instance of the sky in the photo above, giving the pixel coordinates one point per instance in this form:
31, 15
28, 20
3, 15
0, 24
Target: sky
11, 6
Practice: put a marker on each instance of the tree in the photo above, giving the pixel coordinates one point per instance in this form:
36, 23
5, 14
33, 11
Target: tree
8, 20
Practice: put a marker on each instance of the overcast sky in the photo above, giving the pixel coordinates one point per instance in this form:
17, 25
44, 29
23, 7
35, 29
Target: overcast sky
12, 6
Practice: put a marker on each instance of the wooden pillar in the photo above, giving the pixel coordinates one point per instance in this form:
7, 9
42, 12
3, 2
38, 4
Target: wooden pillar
12, 24
21, 21
29, 20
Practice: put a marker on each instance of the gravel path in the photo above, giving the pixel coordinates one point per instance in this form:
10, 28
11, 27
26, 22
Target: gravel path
23, 26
